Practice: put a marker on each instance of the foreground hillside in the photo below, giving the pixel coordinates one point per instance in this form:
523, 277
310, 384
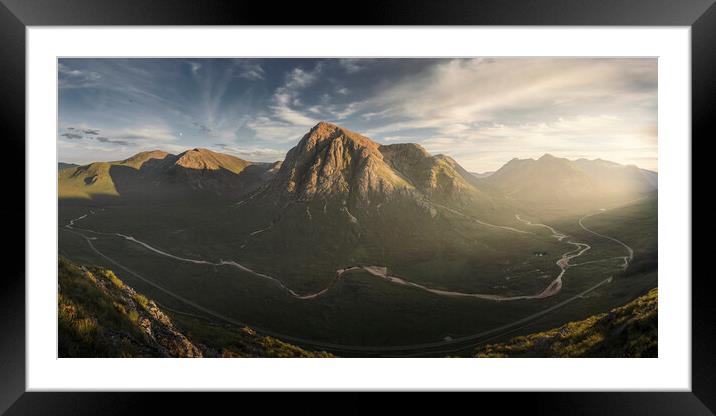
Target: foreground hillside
100, 316
627, 331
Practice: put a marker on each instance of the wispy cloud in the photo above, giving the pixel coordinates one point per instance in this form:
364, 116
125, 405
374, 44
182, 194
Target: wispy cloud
194, 66
488, 147
250, 152
75, 78
103, 139
353, 65
284, 121
250, 69
477, 109
482, 112
468, 91
148, 137
72, 136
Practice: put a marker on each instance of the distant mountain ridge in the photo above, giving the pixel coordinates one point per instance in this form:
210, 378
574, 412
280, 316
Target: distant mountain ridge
552, 180
156, 173
331, 162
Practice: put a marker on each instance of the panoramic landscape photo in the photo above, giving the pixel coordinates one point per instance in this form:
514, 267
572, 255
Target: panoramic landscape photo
363, 207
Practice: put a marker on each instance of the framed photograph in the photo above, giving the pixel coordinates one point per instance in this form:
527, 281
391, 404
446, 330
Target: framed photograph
480, 198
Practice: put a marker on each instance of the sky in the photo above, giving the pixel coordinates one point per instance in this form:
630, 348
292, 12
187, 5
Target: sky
481, 111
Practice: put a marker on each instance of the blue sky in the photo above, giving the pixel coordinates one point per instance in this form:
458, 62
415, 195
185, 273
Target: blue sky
483, 111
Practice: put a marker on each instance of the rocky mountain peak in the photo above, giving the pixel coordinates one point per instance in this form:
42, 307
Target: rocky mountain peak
330, 160
324, 133
205, 159
333, 161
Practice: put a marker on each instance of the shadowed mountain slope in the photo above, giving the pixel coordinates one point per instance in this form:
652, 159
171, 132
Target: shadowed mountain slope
157, 174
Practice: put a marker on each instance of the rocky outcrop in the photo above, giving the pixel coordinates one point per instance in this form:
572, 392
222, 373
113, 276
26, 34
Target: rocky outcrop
99, 315
98, 309
160, 328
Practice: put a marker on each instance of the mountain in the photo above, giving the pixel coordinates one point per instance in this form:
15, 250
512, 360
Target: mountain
553, 181
63, 165
332, 162
548, 178
202, 170
436, 176
342, 193
625, 179
86, 182
101, 316
334, 165
329, 161
337, 172
158, 174
627, 331
205, 160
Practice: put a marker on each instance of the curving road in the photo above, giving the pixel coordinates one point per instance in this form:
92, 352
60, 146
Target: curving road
487, 224
556, 234
377, 271
628, 258
443, 346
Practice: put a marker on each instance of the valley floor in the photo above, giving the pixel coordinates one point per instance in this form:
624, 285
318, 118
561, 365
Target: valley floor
402, 321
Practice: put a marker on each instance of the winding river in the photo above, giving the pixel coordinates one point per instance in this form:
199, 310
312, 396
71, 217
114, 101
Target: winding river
381, 272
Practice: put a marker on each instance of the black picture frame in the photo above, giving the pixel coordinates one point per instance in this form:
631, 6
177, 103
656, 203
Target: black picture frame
16, 15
